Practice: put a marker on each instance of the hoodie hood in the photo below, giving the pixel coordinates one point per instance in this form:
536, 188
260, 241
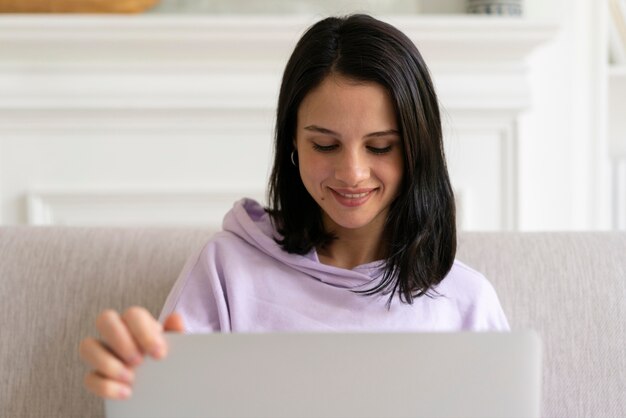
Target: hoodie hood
249, 221
243, 281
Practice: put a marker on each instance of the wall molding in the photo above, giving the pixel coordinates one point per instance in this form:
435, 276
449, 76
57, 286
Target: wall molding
241, 120
619, 193
117, 207
69, 207
504, 128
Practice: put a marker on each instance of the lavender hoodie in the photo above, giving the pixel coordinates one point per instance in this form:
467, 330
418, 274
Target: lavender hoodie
242, 281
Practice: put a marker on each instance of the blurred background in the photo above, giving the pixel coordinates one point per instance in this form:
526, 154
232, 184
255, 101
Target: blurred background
146, 112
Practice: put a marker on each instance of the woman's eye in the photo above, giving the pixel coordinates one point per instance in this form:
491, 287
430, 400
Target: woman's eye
376, 150
324, 148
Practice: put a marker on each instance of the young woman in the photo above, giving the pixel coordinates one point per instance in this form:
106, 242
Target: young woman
360, 231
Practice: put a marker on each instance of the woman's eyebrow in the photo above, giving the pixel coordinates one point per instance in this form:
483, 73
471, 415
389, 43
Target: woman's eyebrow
325, 131
319, 129
382, 133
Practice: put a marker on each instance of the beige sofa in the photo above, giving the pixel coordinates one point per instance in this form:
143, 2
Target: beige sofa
570, 287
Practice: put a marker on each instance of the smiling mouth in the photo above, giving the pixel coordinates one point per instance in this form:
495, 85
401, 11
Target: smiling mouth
352, 199
354, 195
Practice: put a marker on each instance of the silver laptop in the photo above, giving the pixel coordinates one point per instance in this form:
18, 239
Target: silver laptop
340, 375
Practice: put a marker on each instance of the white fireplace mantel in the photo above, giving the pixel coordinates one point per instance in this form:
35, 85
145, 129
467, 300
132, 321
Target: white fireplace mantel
205, 62
165, 90
161, 39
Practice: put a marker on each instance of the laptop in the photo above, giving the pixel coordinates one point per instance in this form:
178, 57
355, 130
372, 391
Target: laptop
340, 375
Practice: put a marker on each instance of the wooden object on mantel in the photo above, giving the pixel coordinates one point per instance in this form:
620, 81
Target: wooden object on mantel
75, 6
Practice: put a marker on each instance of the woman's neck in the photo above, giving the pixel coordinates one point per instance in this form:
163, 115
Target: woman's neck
352, 247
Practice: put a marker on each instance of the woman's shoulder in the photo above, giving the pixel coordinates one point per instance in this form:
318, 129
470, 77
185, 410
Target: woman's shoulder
464, 280
475, 298
220, 238
228, 252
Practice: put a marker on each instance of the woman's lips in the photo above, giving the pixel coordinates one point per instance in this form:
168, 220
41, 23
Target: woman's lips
352, 198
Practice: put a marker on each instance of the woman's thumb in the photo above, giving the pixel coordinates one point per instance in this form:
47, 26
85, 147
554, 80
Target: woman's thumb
174, 323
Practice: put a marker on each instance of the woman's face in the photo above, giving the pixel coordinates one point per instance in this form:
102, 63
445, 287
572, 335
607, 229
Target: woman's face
350, 153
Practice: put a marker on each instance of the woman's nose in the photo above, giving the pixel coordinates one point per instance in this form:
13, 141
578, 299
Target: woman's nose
351, 168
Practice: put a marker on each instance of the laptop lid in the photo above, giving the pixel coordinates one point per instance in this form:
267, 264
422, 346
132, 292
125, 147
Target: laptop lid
340, 375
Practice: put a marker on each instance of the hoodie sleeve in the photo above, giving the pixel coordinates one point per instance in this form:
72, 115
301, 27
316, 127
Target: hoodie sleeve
486, 313
198, 294
477, 304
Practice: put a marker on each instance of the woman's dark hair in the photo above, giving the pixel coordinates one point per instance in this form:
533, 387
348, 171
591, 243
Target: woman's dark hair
420, 230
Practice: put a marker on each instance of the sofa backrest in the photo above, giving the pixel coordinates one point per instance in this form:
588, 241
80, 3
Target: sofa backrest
54, 282
570, 287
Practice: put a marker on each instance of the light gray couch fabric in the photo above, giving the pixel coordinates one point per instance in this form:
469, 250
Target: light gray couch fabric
570, 287
53, 283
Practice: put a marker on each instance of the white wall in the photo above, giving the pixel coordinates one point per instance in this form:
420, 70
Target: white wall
564, 163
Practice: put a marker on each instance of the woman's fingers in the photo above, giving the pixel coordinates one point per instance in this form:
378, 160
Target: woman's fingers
146, 331
104, 362
125, 340
118, 338
174, 323
106, 388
